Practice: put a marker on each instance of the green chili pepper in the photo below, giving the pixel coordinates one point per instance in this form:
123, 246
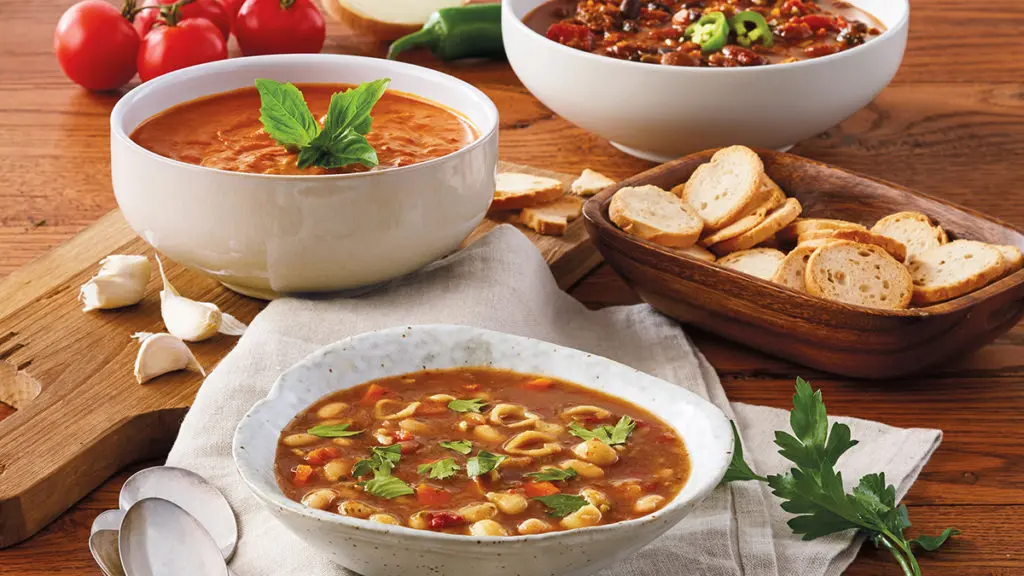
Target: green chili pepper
751, 27
458, 32
711, 32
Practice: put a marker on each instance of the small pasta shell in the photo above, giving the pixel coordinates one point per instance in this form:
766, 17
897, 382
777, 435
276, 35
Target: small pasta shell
385, 409
532, 443
509, 503
488, 434
585, 411
512, 416
446, 398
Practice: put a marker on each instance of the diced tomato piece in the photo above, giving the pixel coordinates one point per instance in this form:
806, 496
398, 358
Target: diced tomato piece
442, 520
373, 393
539, 384
572, 35
410, 446
534, 489
301, 474
320, 456
795, 7
403, 435
820, 21
432, 497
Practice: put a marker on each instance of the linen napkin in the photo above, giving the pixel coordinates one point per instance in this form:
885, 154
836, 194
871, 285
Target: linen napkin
501, 282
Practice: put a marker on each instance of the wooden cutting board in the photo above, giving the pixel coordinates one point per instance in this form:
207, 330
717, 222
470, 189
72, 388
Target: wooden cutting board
79, 414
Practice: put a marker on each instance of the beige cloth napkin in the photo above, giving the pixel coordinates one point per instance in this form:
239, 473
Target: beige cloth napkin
502, 283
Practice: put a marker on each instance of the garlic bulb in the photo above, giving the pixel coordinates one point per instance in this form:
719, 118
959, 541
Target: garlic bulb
162, 353
190, 320
121, 281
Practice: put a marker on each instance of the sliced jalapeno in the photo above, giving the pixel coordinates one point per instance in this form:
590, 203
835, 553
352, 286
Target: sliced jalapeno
750, 28
711, 32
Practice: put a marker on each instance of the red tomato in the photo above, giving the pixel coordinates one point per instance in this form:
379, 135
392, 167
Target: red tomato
301, 474
96, 46
279, 27
373, 393
180, 45
444, 519
232, 7
432, 497
534, 489
320, 456
211, 10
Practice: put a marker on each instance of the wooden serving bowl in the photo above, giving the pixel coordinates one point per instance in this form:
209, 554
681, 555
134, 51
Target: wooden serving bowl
823, 334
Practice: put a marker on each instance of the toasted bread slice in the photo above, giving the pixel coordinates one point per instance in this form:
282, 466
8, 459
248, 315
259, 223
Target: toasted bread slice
553, 218
894, 247
656, 215
760, 262
696, 252
514, 190
726, 187
913, 229
744, 224
816, 243
803, 226
860, 274
590, 183
951, 270
791, 271
777, 220
1013, 260
775, 195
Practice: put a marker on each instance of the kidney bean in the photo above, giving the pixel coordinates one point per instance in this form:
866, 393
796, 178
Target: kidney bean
679, 59
743, 56
818, 50
794, 30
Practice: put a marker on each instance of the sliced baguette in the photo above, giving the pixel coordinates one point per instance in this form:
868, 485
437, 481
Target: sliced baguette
951, 270
695, 252
1013, 260
804, 225
816, 243
775, 195
656, 215
514, 190
726, 187
791, 271
553, 218
894, 247
761, 262
777, 220
859, 274
744, 224
913, 229
590, 183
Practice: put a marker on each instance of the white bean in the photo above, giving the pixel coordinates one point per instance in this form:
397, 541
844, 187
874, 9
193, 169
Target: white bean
356, 509
487, 528
507, 502
335, 469
597, 498
413, 425
595, 451
648, 504
319, 499
475, 512
302, 439
584, 469
419, 520
446, 398
588, 515
385, 519
533, 526
331, 410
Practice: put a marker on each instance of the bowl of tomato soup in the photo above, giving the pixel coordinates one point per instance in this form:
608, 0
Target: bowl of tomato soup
466, 451
198, 174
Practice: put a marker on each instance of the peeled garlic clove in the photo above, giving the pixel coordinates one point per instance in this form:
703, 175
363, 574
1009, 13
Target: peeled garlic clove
231, 326
162, 353
132, 266
190, 320
120, 281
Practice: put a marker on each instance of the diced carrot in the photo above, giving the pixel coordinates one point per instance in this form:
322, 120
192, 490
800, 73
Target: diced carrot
539, 384
428, 495
373, 393
320, 456
301, 474
471, 387
534, 489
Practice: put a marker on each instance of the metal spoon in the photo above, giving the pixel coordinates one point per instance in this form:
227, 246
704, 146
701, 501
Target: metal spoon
103, 545
191, 492
107, 520
159, 538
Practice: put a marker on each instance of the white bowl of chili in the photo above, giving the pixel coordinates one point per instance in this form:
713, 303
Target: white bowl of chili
377, 356
197, 176
661, 112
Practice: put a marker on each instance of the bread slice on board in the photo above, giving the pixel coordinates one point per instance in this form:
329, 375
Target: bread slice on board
791, 271
1013, 260
695, 252
777, 220
514, 190
802, 226
954, 269
913, 229
860, 274
656, 215
726, 187
894, 247
760, 262
553, 218
590, 182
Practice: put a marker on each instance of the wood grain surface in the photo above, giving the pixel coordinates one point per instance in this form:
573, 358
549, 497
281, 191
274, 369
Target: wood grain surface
952, 125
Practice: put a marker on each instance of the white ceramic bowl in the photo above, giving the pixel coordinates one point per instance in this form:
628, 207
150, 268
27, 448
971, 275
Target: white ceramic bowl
355, 543
663, 112
265, 235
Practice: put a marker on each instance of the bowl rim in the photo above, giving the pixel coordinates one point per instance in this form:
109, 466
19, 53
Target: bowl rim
595, 212
714, 416
900, 26
167, 81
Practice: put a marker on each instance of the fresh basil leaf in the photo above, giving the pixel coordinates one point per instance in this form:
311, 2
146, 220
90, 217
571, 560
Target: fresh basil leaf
610, 435
933, 543
561, 505
472, 405
738, 470
333, 431
285, 115
387, 487
351, 109
482, 463
381, 462
460, 446
553, 475
440, 469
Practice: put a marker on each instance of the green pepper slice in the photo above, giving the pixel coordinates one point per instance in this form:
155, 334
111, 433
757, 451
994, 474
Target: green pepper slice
751, 27
711, 32
472, 31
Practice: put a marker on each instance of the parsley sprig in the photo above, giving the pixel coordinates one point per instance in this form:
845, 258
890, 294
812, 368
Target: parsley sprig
340, 141
483, 463
472, 405
333, 431
460, 446
610, 435
550, 474
561, 505
439, 469
381, 462
813, 489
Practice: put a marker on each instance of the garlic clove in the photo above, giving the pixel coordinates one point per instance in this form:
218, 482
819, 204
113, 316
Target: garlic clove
231, 326
132, 266
190, 320
121, 281
162, 353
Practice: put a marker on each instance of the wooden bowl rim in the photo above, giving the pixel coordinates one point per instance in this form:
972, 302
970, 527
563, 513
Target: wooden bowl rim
595, 210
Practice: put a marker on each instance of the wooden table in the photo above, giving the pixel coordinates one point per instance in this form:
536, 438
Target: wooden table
952, 124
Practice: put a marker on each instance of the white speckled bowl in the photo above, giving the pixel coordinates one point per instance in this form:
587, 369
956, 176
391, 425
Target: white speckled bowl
356, 544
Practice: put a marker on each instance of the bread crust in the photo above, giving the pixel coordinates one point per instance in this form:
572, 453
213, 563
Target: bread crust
544, 191
879, 267
624, 211
803, 226
960, 280
552, 219
791, 271
762, 263
777, 220
703, 192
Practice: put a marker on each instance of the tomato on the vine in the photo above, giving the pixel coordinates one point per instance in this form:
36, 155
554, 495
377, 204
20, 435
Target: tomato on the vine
279, 27
212, 10
180, 44
232, 7
96, 45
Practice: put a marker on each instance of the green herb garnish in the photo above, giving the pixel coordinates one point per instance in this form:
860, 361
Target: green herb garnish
552, 475
440, 469
460, 446
814, 492
333, 431
610, 435
474, 405
387, 486
380, 463
482, 463
560, 505
342, 139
